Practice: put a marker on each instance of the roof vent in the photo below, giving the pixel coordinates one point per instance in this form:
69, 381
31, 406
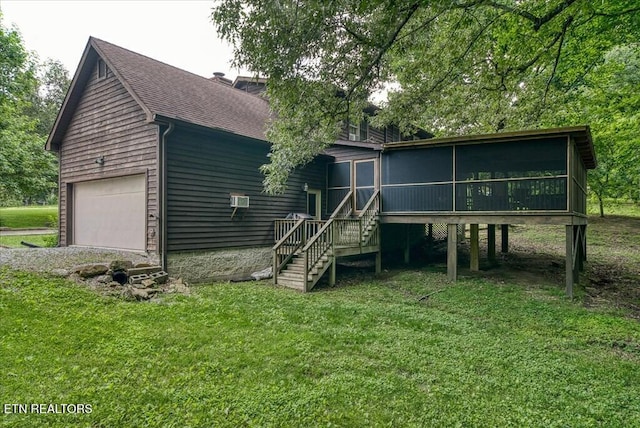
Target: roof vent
218, 74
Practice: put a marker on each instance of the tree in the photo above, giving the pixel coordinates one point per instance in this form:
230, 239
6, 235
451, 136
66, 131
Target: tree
453, 66
610, 101
28, 106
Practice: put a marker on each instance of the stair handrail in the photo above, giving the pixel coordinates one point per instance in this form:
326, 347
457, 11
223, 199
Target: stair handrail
366, 211
345, 207
369, 213
277, 265
314, 250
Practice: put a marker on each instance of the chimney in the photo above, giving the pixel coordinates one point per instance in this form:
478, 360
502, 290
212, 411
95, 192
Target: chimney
218, 76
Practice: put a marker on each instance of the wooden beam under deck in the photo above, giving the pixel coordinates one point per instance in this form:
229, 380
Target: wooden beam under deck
488, 218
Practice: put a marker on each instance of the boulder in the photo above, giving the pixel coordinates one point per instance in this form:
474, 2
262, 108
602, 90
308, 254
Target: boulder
91, 270
132, 293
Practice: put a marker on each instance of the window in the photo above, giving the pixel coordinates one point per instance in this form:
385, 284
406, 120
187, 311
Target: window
102, 69
354, 132
364, 130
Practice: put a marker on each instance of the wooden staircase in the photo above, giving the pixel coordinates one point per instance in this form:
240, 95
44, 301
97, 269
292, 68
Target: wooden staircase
306, 249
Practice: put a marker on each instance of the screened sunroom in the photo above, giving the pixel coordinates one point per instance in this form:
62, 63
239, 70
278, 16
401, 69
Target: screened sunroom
517, 175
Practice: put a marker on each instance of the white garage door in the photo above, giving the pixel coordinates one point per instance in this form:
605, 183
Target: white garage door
110, 213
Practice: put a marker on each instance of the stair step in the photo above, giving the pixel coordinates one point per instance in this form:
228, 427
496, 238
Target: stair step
297, 284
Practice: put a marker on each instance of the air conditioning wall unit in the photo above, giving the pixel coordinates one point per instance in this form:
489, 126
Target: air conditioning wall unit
239, 201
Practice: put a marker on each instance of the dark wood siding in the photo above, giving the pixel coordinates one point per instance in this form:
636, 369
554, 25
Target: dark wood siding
204, 169
108, 122
344, 153
377, 135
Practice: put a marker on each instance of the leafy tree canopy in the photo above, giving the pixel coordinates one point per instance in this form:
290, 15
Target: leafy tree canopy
450, 66
30, 95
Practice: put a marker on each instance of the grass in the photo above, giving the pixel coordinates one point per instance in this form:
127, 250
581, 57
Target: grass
373, 354
614, 207
29, 217
14, 241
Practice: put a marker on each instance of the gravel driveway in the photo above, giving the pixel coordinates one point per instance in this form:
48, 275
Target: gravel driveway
50, 259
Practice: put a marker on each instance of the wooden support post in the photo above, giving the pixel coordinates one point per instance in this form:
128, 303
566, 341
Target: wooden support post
332, 274
584, 235
583, 246
491, 243
407, 255
452, 252
569, 261
580, 249
379, 253
474, 248
576, 254
505, 238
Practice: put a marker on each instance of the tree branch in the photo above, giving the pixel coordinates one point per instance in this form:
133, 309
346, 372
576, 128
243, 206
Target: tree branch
565, 26
538, 22
383, 49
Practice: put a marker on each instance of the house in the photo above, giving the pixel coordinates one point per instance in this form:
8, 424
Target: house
160, 160
157, 159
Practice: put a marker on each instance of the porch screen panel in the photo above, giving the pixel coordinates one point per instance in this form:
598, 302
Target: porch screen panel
518, 159
429, 197
512, 176
339, 175
338, 183
417, 180
365, 182
512, 195
334, 197
424, 165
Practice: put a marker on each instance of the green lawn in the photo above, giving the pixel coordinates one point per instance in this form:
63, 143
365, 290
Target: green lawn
29, 217
14, 241
373, 354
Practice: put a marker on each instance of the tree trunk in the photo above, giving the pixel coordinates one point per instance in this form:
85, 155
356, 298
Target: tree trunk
601, 204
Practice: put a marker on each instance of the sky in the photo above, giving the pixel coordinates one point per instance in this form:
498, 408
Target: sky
177, 32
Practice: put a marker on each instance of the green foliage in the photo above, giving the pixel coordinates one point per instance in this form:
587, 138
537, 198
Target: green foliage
608, 99
450, 66
30, 95
29, 217
474, 354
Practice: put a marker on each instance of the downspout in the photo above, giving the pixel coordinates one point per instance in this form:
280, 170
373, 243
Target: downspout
162, 193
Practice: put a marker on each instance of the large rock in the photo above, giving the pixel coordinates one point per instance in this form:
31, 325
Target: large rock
120, 265
91, 270
132, 293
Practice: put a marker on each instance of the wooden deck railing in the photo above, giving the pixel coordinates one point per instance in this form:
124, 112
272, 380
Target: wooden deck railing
313, 239
316, 248
345, 207
369, 219
287, 246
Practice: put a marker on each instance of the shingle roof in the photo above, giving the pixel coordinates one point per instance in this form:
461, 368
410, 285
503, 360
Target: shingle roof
169, 92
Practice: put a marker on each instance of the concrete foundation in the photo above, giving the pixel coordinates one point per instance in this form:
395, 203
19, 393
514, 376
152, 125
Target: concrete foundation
215, 265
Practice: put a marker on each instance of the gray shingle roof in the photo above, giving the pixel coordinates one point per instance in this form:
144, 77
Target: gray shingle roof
171, 92
167, 91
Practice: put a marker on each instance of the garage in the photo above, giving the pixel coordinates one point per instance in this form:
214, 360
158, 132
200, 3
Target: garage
110, 213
